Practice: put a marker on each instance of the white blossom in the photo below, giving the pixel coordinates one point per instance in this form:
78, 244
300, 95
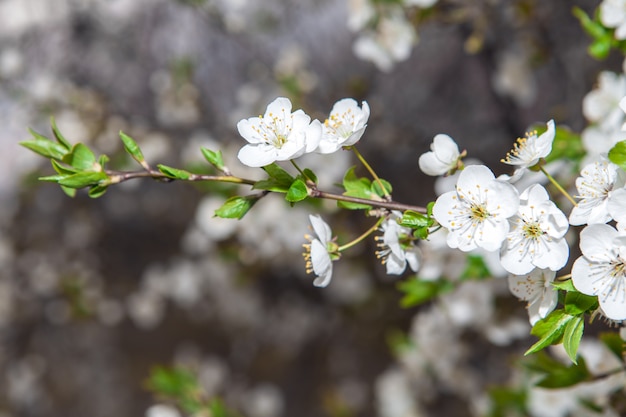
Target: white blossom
613, 15
528, 150
420, 3
319, 253
279, 135
345, 125
443, 157
601, 105
601, 270
396, 247
536, 288
595, 185
476, 214
536, 238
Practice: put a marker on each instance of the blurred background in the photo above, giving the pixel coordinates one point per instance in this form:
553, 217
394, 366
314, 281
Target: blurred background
95, 293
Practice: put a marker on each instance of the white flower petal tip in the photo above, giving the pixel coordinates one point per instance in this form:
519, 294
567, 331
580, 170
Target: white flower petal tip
443, 158
601, 270
278, 135
476, 214
527, 151
535, 288
320, 252
537, 235
345, 125
396, 246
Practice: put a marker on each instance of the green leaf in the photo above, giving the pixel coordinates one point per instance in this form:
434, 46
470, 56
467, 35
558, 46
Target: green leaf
615, 343
71, 192
172, 382
271, 185
236, 207
561, 376
97, 191
376, 189
131, 147
298, 191
601, 47
276, 172
577, 303
356, 187
62, 169
567, 285
476, 268
310, 175
567, 144
59, 137
81, 158
413, 220
174, 173
617, 154
572, 335
53, 178
82, 179
550, 330
417, 291
593, 28
44, 147
507, 402
213, 158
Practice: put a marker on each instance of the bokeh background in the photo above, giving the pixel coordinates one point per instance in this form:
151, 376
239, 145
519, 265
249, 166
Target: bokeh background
95, 293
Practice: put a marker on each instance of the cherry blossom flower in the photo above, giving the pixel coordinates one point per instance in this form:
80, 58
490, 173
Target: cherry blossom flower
536, 288
345, 125
528, 150
536, 238
616, 205
601, 105
443, 158
279, 135
601, 270
595, 186
396, 247
320, 252
476, 214
613, 15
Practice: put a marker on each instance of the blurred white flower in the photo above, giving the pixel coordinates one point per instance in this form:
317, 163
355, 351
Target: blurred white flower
527, 151
613, 15
536, 238
536, 288
396, 246
601, 105
360, 12
477, 213
279, 135
443, 157
420, 3
319, 253
595, 185
601, 268
345, 125
162, 410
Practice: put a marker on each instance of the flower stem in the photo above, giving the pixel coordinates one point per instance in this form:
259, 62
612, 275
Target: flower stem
300, 171
558, 186
363, 236
371, 171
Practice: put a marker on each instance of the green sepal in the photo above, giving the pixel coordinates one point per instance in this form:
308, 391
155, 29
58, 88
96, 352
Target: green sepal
572, 335
417, 291
174, 173
577, 303
44, 147
97, 191
298, 191
567, 285
59, 137
81, 158
236, 207
421, 233
617, 154
82, 179
131, 147
213, 158
549, 330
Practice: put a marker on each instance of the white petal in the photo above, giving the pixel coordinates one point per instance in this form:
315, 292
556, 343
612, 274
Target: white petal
445, 148
322, 264
596, 242
313, 136
321, 228
617, 205
395, 265
257, 155
246, 130
279, 107
431, 165
555, 258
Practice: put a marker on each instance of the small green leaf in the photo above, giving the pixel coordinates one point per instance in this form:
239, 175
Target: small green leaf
63, 169
562, 376
567, 285
601, 47
572, 335
507, 401
417, 291
476, 268
593, 28
57, 134
271, 185
70, 192
577, 303
131, 147
615, 343
175, 173
413, 220
53, 178
82, 179
236, 207
44, 147
213, 158
617, 154
276, 172
376, 189
298, 191
97, 191
81, 158
356, 187
310, 175
567, 144
550, 330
